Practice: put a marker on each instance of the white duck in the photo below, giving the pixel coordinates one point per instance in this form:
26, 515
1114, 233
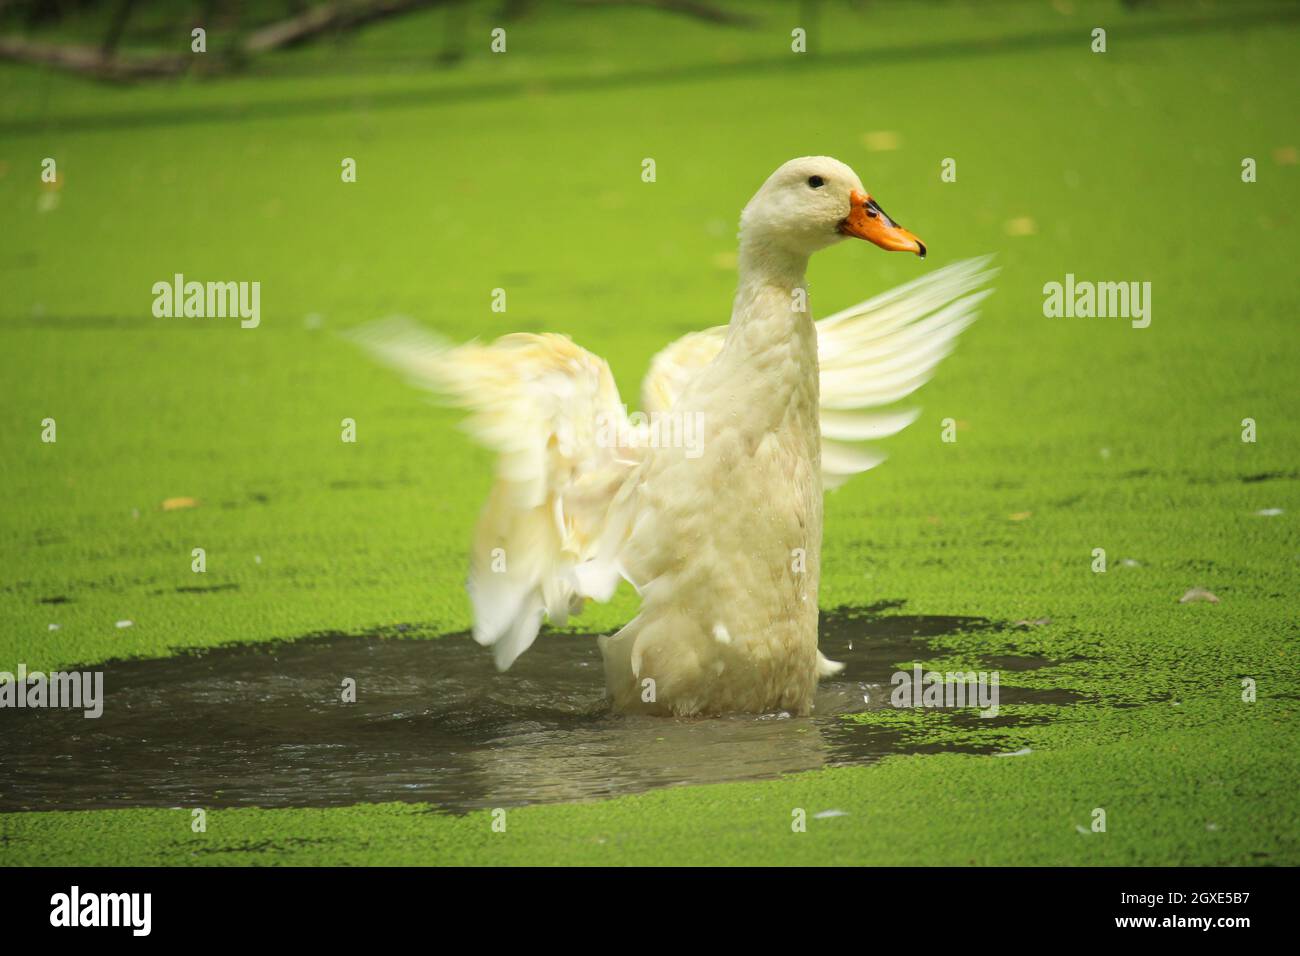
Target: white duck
722, 540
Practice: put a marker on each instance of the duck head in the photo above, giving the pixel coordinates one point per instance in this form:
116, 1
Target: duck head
814, 202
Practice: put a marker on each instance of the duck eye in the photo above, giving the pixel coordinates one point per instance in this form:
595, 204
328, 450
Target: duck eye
816, 182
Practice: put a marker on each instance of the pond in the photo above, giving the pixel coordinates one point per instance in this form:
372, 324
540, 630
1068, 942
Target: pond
264, 725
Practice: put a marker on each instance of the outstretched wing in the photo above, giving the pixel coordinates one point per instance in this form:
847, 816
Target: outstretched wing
871, 356
551, 412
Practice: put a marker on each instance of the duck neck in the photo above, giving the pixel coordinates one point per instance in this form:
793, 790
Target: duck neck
770, 318
771, 344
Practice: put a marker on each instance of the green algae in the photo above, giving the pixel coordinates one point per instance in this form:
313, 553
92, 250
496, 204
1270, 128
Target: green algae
1072, 435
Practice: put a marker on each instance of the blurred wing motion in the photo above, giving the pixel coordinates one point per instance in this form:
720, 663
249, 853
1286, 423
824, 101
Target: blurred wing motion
871, 355
551, 412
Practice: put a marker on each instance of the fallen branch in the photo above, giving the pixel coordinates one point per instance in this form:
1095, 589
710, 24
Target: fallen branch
326, 18
91, 61
105, 63
690, 8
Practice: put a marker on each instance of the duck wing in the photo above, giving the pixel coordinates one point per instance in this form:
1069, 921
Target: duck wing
550, 410
871, 356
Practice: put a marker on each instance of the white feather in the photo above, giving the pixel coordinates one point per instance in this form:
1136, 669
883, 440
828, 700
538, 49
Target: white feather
539, 402
871, 355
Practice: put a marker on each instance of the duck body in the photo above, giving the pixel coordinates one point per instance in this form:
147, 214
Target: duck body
730, 542
722, 541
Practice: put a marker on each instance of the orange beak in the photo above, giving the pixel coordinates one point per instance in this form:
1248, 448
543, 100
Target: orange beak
866, 220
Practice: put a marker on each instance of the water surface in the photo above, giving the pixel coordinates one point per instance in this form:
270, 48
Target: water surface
264, 725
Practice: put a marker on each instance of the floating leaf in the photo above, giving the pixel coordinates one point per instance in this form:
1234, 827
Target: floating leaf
172, 504
882, 141
1020, 226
